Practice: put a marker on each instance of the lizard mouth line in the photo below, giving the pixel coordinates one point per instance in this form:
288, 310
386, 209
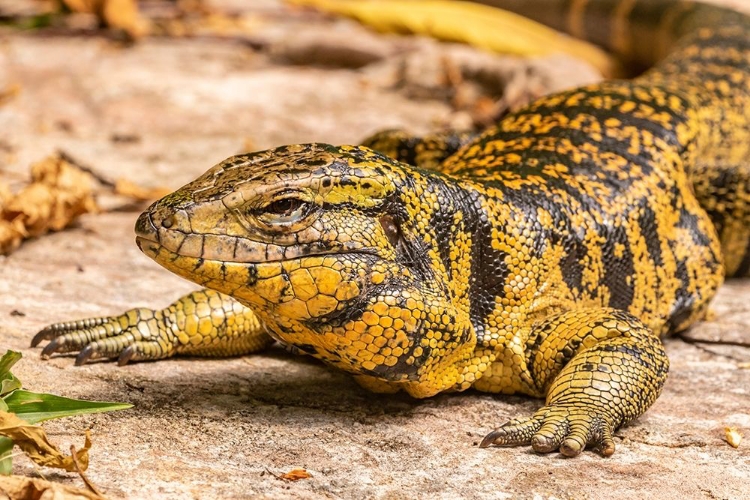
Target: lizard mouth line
151, 247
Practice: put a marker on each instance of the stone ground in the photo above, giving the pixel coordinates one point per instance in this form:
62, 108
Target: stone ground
224, 428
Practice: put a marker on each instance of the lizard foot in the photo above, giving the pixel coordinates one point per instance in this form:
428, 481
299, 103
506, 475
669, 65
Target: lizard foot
569, 428
126, 337
202, 323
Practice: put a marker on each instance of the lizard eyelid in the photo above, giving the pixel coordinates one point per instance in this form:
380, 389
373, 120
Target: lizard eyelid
287, 208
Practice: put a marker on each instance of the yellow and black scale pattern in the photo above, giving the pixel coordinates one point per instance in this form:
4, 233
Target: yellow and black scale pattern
545, 256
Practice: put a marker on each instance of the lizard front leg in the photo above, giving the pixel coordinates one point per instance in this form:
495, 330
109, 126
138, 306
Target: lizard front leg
599, 369
202, 323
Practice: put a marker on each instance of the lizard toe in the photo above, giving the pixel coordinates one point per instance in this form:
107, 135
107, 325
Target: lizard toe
516, 432
111, 347
141, 350
58, 329
573, 429
549, 437
563, 428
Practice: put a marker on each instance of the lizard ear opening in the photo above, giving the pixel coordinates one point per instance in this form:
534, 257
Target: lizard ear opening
391, 230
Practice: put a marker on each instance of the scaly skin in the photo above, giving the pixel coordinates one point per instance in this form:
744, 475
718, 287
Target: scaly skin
544, 257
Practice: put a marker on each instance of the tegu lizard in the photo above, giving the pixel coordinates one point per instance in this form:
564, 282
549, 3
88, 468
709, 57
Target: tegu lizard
546, 256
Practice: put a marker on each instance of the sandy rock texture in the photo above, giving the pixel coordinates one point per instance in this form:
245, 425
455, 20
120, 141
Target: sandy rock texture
166, 109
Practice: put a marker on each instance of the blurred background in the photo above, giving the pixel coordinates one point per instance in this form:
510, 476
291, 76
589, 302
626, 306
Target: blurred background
160, 90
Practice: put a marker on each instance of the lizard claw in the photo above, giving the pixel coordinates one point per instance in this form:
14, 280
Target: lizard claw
44, 334
57, 345
126, 355
85, 354
569, 429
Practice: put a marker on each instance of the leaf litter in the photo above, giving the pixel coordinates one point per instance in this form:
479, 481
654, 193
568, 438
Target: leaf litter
60, 190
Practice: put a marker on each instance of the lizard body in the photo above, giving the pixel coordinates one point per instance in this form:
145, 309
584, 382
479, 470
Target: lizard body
545, 256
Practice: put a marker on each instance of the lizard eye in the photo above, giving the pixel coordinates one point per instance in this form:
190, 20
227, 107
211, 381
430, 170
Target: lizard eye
286, 210
283, 208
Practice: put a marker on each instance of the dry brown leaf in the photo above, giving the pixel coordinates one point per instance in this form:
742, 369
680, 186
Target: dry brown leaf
59, 192
10, 237
296, 475
5, 194
119, 14
210, 24
7, 94
26, 488
732, 436
128, 188
34, 442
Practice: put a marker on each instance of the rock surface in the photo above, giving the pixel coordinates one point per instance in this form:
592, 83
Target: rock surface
226, 428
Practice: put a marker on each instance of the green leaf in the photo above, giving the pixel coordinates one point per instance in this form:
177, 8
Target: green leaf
29, 22
9, 359
9, 384
6, 460
8, 381
37, 407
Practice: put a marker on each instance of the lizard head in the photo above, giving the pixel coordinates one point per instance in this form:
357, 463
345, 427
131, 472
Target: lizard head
328, 245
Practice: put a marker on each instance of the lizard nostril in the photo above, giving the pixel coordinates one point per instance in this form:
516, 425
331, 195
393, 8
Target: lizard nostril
168, 222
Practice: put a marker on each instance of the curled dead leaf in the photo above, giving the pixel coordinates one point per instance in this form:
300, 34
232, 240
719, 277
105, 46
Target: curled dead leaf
26, 488
58, 193
34, 442
119, 14
296, 475
732, 436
